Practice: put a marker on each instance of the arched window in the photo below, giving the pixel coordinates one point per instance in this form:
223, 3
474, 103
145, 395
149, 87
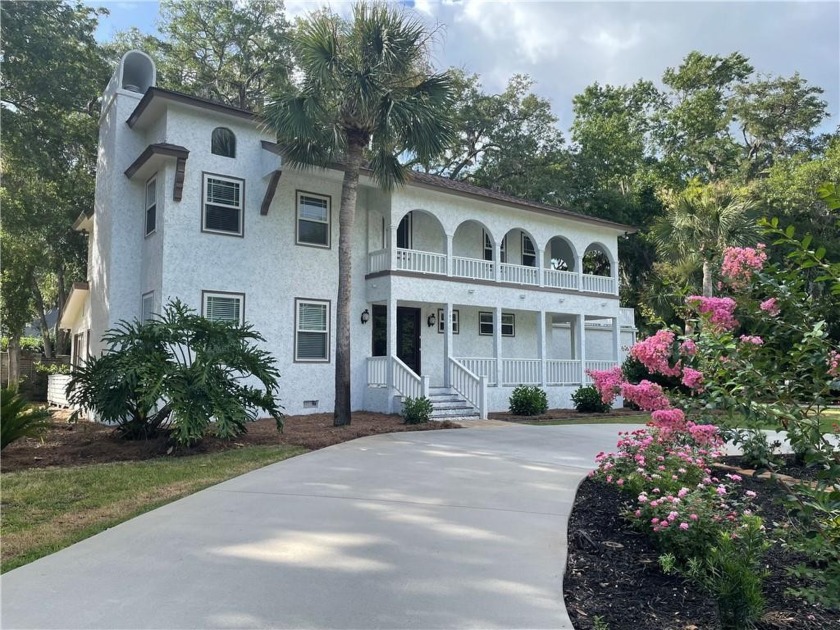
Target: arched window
223, 142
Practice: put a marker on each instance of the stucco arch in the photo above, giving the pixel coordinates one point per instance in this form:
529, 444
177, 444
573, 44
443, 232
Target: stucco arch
514, 253
468, 240
596, 265
560, 249
427, 231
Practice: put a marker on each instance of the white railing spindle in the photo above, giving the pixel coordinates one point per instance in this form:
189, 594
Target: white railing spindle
562, 372
560, 279
473, 268
472, 387
423, 262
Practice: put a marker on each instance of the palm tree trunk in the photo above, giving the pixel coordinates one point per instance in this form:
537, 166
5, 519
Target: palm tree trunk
707, 279
346, 217
14, 361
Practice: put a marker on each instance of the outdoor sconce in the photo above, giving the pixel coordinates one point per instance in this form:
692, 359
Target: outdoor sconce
431, 321
365, 316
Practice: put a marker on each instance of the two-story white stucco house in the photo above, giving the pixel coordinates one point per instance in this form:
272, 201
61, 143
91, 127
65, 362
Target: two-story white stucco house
193, 201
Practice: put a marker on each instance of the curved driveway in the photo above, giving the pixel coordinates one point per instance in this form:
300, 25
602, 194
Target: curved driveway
441, 529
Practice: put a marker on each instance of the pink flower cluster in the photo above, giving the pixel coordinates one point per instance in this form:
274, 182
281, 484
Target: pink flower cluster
648, 396
770, 306
833, 363
607, 382
752, 339
688, 348
655, 353
719, 312
669, 419
739, 264
691, 378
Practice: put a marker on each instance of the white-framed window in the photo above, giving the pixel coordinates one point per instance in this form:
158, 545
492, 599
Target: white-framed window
223, 203
404, 232
529, 252
456, 321
151, 205
313, 219
503, 250
488, 246
147, 306
485, 324
312, 330
224, 307
223, 142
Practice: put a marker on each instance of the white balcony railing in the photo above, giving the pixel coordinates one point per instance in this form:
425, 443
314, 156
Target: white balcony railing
519, 274
472, 268
521, 372
560, 279
423, 262
562, 372
478, 269
598, 284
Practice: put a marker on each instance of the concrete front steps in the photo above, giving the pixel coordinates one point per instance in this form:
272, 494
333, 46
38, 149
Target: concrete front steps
448, 405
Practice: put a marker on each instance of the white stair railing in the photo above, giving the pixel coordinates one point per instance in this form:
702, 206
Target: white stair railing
480, 366
377, 371
473, 388
406, 382
423, 262
562, 372
521, 372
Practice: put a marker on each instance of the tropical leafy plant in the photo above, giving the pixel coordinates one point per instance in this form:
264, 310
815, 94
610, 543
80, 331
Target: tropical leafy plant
365, 94
181, 372
16, 421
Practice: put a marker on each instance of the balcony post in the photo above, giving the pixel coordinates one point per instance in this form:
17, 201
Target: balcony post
392, 247
540, 268
497, 343
448, 351
450, 269
580, 333
541, 334
391, 324
497, 261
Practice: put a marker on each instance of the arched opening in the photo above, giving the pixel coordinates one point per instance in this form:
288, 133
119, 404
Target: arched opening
473, 251
519, 248
560, 255
138, 72
223, 142
421, 243
597, 261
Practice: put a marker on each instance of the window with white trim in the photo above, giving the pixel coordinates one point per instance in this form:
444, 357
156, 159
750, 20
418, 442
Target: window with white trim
404, 232
456, 325
488, 246
148, 306
312, 330
151, 205
485, 324
224, 307
313, 220
529, 252
223, 201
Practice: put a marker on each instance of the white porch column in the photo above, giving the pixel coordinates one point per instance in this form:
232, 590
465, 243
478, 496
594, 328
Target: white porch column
497, 343
579, 263
616, 337
448, 351
580, 329
392, 350
541, 344
540, 269
392, 247
450, 269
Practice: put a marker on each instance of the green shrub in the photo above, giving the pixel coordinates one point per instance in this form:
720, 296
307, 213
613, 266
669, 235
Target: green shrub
27, 344
417, 410
757, 450
16, 421
528, 401
52, 368
588, 400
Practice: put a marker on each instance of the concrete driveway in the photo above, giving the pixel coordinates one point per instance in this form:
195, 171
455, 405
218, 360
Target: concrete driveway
443, 529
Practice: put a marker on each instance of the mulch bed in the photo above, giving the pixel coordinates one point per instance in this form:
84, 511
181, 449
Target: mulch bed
565, 414
91, 443
613, 572
787, 466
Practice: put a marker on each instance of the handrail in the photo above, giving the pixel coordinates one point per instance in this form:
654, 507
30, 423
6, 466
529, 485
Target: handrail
405, 381
473, 388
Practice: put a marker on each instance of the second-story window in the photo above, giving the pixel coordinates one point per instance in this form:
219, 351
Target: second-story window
404, 232
529, 252
488, 246
222, 204
151, 205
313, 220
223, 142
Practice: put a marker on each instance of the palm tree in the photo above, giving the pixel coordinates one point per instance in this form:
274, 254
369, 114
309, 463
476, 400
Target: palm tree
702, 221
364, 94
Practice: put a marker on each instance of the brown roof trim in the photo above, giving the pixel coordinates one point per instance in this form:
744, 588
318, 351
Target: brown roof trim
269, 192
185, 99
165, 149
81, 286
273, 147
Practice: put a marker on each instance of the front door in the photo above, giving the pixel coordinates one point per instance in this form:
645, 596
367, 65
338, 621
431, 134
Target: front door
408, 337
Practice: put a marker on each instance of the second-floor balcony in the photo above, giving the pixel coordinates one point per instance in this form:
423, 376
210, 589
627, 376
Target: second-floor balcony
438, 264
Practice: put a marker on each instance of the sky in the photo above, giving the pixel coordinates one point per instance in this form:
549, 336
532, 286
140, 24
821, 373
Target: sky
565, 46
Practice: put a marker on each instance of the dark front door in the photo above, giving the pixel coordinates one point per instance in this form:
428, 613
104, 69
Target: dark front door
408, 337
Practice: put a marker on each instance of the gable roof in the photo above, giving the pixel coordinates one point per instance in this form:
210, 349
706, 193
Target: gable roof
416, 178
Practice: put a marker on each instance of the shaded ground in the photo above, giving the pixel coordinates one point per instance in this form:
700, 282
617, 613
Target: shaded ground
613, 573
90, 443
558, 416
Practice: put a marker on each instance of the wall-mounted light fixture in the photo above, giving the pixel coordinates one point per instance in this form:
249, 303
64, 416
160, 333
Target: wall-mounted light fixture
431, 320
365, 316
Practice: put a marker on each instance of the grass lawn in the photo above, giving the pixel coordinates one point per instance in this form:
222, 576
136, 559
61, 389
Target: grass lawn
44, 510
829, 418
